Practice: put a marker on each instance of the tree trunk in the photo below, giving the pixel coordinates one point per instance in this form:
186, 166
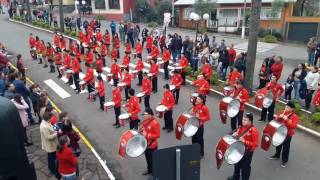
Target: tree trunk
252, 44
61, 16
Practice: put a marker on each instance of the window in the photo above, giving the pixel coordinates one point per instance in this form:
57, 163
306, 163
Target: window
187, 12
114, 4
306, 8
100, 4
266, 14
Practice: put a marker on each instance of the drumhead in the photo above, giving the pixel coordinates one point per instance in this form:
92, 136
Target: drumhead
195, 94
150, 74
69, 71
110, 75
121, 84
279, 136
136, 146
172, 87
124, 116
149, 57
161, 108
140, 94
235, 150
110, 103
267, 100
82, 82
178, 67
191, 126
227, 88
233, 108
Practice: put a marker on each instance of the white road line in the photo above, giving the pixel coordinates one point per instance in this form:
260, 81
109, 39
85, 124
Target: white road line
57, 89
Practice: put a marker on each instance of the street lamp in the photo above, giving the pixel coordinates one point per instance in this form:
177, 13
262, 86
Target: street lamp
166, 21
77, 6
196, 19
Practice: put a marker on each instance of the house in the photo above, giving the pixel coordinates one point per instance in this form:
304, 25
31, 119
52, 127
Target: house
228, 17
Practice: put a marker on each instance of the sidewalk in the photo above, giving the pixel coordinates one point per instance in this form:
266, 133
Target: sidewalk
90, 169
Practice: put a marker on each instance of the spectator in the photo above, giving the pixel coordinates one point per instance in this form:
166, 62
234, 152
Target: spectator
49, 142
144, 35
224, 61
9, 93
298, 75
35, 97
277, 67
204, 54
312, 80
311, 48
22, 106
231, 55
179, 46
222, 46
215, 57
121, 32
113, 28
2, 84
288, 88
79, 22
20, 65
130, 37
213, 44
317, 57
67, 162
263, 75
206, 39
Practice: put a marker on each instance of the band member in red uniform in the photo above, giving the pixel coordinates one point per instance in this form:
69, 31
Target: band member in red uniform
239, 92
50, 56
139, 67
203, 86
277, 90
177, 81
201, 111
146, 88
115, 71
63, 43
76, 69
107, 40
127, 78
98, 35
89, 79
32, 41
116, 98
114, 53
139, 49
89, 57
184, 64
42, 51
154, 70
150, 129
126, 61
116, 43
103, 55
290, 119
58, 60
101, 92
169, 102
133, 110
234, 76
249, 135
56, 40
207, 71
166, 55
128, 48
154, 52
149, 41
67, 64
99, 64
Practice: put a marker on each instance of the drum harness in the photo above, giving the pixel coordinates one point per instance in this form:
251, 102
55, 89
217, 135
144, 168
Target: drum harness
243, 133
142, 128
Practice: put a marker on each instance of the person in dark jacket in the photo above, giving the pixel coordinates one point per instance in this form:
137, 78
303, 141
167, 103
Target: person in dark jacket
298, 75
79, 22
179, 46
224, 60
317, 57
240, 63
288, 88
35, 97
144, 34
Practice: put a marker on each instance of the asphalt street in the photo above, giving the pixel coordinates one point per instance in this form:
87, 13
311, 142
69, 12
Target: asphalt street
97, 126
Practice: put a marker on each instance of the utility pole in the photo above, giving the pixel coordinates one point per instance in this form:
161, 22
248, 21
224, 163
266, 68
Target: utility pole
172, 12
61, 16
244, 20
29, 17
252, 43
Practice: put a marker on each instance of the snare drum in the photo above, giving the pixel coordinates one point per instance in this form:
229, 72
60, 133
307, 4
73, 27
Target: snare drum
160, 109
140, 95
227, 90
109, 77
108, 105
274, 133
61, 69
123, 117
134, 73
172, 87
229, 149
121, 85
160, 64
187, 125
178, 68
150, 75
193, 97
92, 96
228, 107
82, 85
132, 144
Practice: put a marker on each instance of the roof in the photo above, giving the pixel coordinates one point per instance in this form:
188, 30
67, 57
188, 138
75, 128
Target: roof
191, 2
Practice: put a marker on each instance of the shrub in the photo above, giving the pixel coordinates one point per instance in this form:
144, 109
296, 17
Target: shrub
298, 106
270, 39
152, 24
67, 31
35, 23
214, 79
278, 35
262, 33
315, 118
188, 70
202, 30
56, 29
99, 18
74, 34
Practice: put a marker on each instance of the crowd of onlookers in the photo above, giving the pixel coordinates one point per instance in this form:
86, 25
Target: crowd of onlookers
58, 139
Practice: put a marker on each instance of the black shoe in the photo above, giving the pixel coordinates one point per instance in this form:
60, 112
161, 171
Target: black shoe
283, 164
45, 66
146, 172
164, 127
230, 178
169, 130
260, 120
274, 157
28, 144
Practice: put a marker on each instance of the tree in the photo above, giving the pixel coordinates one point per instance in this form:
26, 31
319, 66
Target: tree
252, 43
142, 10
277, 6
204, 6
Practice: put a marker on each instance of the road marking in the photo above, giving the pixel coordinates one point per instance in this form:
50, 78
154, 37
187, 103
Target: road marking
261, 47
57, 89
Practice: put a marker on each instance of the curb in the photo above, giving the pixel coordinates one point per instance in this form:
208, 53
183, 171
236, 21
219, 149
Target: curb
308, 130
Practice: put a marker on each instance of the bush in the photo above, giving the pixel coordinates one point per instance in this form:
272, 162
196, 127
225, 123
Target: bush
67, 31
188, 70
99, 18
298, 106
152, 24
74, 34
214, 79
262, 33
278, 35
202, 30
315, 118
270, 39
35, 23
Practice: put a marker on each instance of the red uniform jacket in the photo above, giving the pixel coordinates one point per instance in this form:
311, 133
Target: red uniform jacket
106, 39
127, 78
116, 97
184, 63
276, 89
67, 61
63, 43
151, 130
58, 58
316, 98
146, 86
203, 86
126, 61
32, 41
176, 80
56, 40
89, 78
207, 70
100, 89
139, 48
154, 52
168, 99
251, 138
78, 54
116, 42
133, 108
276, 70
128, 48
43, 49
99, 65
90, 32
67, 162
89, 58
149, 42
139, 65
75, 65
73, 47
291, 122
166, 55
232, 55
81, 36
241, 94
50, 53
103, 50
98, 36
202, 112
114, 54
115, 70
234, 76
154, 69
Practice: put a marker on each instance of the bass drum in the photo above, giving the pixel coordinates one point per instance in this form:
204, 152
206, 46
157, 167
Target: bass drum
263, 98
274, 133
229, 149
187, 125
228, 107
132, 144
